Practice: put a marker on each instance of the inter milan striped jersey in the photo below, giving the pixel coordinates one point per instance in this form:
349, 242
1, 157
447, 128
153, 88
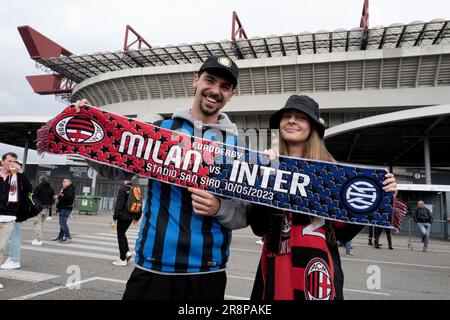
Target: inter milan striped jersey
172, 238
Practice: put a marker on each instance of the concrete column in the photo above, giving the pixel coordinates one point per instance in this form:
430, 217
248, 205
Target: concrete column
25, 156
93, 183
426, 148
444, 212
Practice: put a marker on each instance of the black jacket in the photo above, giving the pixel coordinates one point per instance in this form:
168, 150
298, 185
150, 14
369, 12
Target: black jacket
44, 193
422, 215
66, 198
24, 186
121, 210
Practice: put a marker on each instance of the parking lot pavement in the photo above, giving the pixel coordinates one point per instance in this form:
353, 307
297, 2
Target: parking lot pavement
83, 270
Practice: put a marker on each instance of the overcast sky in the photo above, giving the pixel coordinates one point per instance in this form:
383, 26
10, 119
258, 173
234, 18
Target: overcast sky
84, 27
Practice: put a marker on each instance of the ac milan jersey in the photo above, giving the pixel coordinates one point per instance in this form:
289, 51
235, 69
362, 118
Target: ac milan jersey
309, 270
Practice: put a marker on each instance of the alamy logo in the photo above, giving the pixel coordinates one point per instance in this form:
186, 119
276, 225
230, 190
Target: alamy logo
361, 195
79, 130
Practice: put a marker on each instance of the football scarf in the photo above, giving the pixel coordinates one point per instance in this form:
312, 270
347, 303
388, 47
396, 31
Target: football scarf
333, 191
312, 265
306, 270
13, 194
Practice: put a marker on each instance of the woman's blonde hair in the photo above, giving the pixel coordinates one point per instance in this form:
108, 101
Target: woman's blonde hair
315, 149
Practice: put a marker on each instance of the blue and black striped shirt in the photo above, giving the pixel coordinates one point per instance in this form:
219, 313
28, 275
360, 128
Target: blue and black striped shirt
172, 238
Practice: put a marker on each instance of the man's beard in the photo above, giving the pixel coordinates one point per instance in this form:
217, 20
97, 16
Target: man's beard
208, 112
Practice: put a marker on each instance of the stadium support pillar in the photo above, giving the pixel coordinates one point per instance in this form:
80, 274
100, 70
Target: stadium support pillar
444, 211
237, 30
140, 40
426, 148
39, 46
25, 155
93, 183
364, 22
50, 84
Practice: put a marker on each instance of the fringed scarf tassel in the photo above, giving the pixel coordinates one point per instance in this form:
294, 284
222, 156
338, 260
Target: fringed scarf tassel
399, 213
43, 142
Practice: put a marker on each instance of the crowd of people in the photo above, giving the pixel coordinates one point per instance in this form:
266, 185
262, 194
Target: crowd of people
184, 240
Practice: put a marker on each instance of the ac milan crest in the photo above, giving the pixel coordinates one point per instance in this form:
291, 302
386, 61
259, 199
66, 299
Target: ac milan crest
79, 130
318, 282
13, 188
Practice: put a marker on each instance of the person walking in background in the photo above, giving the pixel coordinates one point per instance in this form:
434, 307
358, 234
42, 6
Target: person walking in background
371, 238
15, 240
50, 210
44, 195
422, 216
123, 218
348, 249
13, 186
377, 232
64, 207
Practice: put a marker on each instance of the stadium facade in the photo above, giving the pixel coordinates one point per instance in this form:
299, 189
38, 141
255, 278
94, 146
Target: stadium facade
384, 92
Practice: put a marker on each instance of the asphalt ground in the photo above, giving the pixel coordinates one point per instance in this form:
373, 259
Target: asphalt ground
83, 270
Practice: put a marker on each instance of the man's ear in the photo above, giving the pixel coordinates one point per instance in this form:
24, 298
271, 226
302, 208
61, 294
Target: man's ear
231, 95
195, 80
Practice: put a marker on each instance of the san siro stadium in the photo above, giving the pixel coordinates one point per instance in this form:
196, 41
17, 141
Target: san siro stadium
384, 91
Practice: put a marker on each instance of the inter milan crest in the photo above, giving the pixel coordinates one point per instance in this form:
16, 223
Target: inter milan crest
224, 61
318, 281
79, 130
361, 195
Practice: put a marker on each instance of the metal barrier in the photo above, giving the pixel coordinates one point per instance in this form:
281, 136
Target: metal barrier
107, 204
411, 220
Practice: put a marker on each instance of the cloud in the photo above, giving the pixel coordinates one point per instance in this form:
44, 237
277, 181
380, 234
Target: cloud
73, 21
8, 101
88, 26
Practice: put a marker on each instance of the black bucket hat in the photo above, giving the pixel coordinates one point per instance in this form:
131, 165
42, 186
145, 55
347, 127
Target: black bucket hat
304, 104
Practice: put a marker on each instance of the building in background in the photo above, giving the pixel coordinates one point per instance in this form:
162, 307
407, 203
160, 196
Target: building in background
384, 91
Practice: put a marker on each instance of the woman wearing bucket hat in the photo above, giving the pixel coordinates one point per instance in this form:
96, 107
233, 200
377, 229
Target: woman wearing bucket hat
300, 258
